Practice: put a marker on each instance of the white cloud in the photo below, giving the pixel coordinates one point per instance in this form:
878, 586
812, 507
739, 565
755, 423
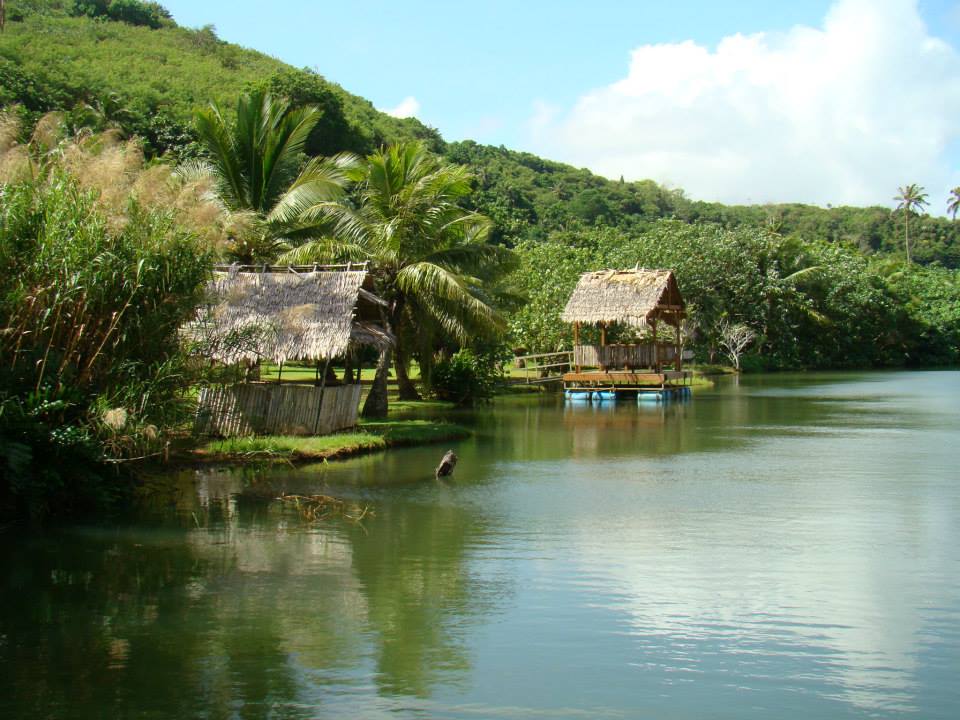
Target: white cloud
843, 113
408, 107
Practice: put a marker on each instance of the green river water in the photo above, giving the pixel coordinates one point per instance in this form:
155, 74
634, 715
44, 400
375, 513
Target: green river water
780, 547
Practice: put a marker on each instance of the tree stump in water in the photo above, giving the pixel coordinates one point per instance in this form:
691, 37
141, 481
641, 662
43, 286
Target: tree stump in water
446, 466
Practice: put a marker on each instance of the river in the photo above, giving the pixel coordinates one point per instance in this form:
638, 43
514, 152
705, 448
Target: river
782, 546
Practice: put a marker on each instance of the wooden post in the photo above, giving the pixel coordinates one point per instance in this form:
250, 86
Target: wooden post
678, 363
576, 342
656, 346
603, 344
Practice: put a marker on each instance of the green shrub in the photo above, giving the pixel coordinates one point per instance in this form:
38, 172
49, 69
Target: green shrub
132, 12
465, 378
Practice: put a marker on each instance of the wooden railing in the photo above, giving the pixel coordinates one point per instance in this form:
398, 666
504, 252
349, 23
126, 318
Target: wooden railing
545, 367
622, 356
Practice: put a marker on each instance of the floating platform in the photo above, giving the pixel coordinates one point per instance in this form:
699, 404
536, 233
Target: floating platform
624, 395
620, 385
627, 378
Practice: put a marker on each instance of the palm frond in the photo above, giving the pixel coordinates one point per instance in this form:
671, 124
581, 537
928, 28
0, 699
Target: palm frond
800, 274
447, 292
322, 180
225, 162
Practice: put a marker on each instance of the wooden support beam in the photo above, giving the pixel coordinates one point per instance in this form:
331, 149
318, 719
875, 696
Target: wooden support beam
656, 346
678, 355
603, 341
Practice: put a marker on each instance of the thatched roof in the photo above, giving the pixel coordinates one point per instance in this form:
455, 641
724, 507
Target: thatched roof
288, 315
629, 297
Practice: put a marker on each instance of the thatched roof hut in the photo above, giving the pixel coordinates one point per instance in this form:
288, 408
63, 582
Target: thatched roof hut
627, 297
289, 314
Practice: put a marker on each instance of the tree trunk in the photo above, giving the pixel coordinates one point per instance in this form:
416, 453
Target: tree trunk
348, 370
408, 391
376, 403
907, 228
331, 376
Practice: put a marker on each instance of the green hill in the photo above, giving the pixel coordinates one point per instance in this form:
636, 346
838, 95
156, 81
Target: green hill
126, 63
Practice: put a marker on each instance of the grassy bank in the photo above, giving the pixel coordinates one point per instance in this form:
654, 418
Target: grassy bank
370, 436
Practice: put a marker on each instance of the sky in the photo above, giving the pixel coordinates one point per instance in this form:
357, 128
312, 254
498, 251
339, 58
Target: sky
819, 101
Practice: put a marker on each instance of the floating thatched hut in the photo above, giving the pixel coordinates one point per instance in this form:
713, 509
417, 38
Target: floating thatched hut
647, 301
314, 314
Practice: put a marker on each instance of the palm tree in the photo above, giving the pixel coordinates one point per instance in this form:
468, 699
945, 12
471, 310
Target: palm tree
953, 203
258, 166
910, 198
431, 259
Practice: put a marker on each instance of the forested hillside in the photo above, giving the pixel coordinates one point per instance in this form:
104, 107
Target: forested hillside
126, 63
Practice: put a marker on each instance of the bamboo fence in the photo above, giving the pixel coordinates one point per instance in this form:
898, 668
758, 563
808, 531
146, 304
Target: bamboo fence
268, 409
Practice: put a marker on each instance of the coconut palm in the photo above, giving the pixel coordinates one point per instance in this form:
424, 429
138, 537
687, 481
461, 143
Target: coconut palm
910, 198
953, 204
258, 166
430, 257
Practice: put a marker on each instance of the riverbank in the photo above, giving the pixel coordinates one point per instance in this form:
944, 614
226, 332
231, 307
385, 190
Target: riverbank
369, 436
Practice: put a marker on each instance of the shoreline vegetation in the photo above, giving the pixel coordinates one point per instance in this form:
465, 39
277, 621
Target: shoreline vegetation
118, 198
369, 436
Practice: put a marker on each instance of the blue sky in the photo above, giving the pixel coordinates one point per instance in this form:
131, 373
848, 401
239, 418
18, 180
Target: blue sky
535, 76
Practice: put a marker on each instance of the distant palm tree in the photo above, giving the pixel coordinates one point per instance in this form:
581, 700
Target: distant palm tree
953, 204
430, 257
258, 166
910, 198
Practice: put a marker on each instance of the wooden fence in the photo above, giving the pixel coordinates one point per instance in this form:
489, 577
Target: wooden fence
622, 356
270, 409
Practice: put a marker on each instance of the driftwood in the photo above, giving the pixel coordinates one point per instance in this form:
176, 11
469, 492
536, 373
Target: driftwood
446, 466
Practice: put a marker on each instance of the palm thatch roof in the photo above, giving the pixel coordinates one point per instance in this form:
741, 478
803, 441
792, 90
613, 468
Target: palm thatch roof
287, 315
628, 297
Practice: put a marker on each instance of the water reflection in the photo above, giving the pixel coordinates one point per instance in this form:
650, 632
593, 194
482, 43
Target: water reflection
239, 612
785, 547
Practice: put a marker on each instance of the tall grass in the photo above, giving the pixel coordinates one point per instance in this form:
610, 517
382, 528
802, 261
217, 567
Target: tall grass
92, 297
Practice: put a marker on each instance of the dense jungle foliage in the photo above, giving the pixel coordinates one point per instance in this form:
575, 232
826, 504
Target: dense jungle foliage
813, 304
112, 210
148, 78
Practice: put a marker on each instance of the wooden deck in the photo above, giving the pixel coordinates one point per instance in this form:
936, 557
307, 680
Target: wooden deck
626, 379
